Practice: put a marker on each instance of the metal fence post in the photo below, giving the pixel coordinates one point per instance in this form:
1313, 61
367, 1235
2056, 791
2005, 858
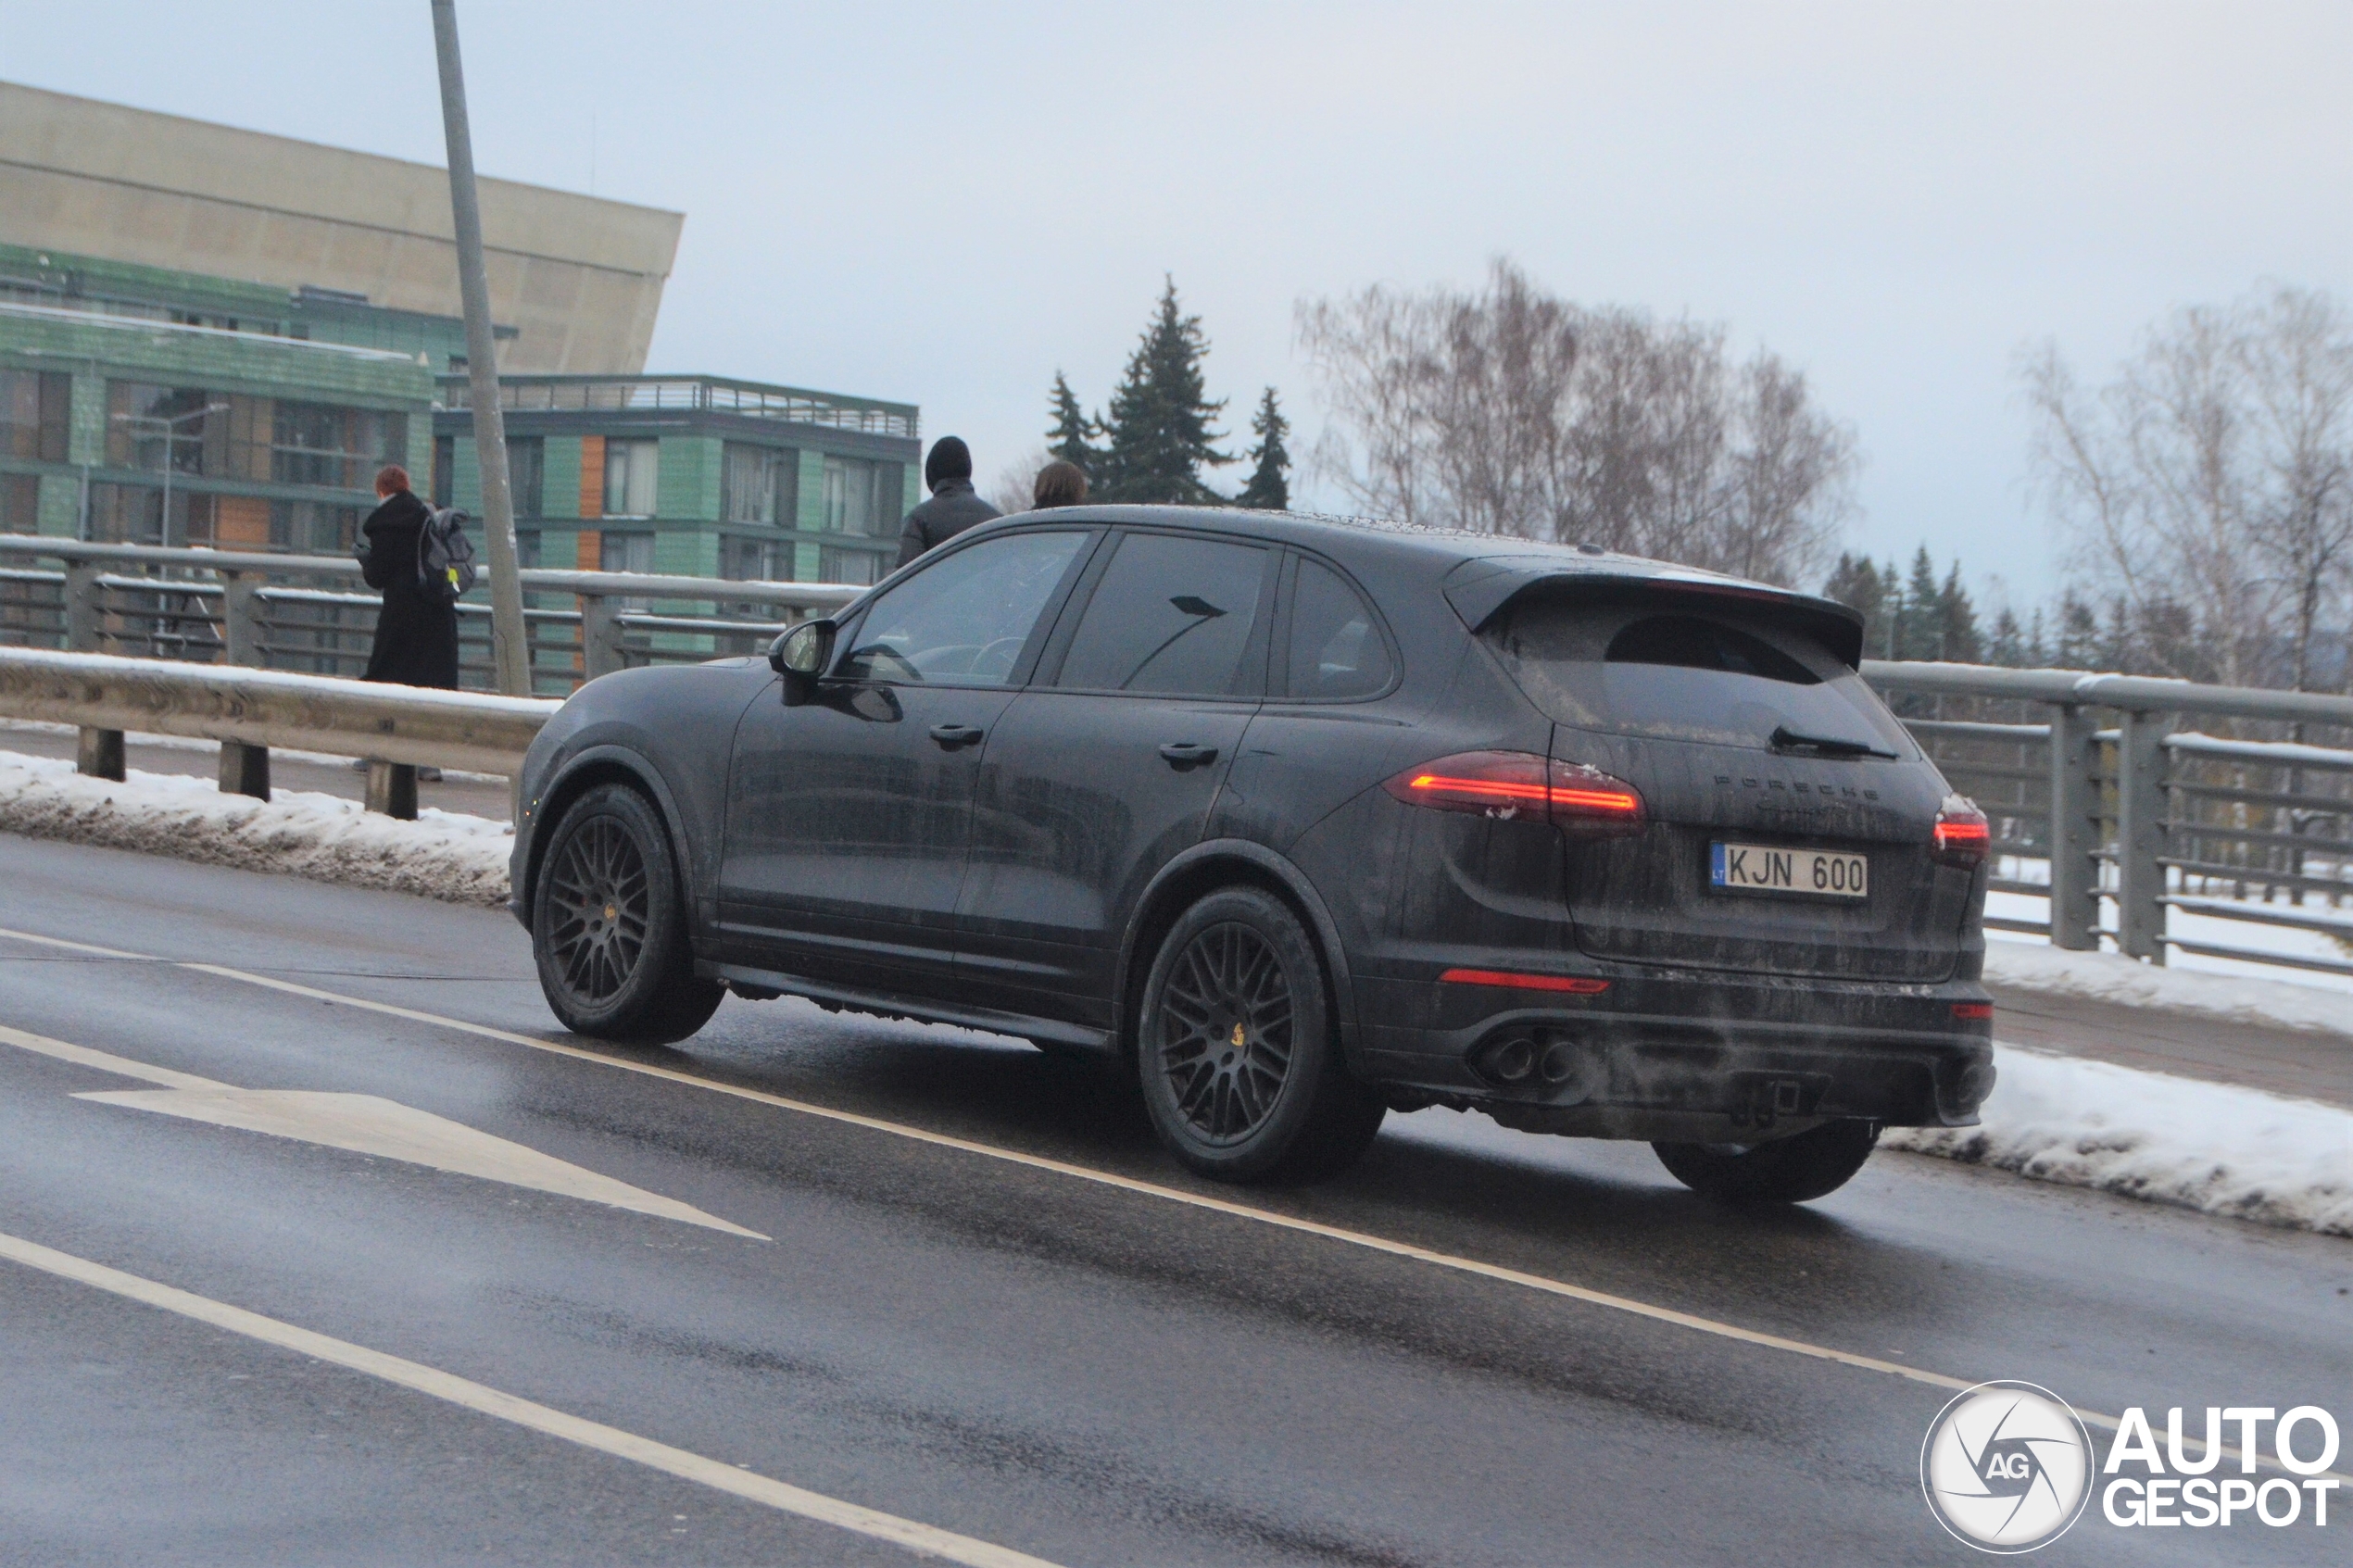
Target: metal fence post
81, 607
2140, 832
600, 651
244, 769
2075, 829
241, 617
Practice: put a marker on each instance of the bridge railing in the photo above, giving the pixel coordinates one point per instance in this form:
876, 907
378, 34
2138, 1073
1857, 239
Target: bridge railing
2125, 801
315, 615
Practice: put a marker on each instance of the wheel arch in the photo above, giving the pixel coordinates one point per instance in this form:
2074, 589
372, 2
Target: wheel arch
1202, 869
601, 765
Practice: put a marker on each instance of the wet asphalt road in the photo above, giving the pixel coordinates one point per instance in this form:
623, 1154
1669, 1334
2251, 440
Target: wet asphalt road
1084, 1372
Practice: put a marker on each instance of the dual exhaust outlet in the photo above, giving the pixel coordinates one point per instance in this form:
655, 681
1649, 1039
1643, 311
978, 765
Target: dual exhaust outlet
1567, 1069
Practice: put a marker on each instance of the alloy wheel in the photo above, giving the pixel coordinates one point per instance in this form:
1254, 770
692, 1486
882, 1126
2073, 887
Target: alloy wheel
599, 891
1226, 1031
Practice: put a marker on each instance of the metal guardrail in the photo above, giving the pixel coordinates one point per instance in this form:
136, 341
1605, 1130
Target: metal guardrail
2133, 810
314, 614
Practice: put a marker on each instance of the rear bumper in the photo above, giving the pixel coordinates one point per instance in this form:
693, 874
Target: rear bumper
1694, 1057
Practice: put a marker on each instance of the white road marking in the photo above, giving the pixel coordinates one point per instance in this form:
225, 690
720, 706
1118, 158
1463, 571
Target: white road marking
364, 1124
1105, 1178
924, 1539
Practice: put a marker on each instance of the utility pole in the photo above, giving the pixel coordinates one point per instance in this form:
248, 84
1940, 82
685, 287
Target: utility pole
511, 654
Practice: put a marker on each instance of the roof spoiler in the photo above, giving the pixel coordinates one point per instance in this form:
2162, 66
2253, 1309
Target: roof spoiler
1478, 589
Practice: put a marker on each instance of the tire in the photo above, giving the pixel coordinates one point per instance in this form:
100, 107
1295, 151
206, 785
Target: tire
609, 925
1790, 1170
1239, 966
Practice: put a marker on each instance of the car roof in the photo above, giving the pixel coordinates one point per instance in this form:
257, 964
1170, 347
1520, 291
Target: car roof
1480, 574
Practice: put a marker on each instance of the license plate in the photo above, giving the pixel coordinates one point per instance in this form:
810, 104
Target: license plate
1764, 868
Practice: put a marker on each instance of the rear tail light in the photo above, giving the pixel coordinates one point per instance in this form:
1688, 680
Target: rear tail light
1973, 1012
1962, 835
1517, 784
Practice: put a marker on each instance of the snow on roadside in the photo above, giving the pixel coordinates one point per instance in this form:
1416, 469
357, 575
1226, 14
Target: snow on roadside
2112, 977
444, 854
2224, 1150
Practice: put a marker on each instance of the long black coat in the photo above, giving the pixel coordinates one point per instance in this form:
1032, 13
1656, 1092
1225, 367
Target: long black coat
953, 507
416, 634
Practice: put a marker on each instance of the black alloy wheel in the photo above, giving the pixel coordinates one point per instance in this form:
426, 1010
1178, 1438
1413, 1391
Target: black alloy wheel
1792, 1169
1226, 1032
1237, 1058
609, 927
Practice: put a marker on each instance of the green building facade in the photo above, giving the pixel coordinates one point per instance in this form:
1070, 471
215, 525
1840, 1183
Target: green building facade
150, 406
696, 476
143, 406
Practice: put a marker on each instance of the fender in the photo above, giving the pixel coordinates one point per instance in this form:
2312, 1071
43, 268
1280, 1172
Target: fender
635, 763
1294, 881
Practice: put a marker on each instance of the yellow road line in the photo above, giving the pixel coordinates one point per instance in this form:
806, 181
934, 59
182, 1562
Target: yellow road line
1450, 1260
924, 1539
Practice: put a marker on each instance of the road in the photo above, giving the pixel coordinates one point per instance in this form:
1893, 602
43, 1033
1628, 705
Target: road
978, 1299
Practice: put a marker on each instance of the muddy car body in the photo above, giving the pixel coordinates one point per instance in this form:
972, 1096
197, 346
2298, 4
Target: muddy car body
1295, 820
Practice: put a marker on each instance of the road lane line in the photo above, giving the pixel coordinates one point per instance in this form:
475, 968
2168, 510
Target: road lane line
122, 1066
924, 1539
1364, 1239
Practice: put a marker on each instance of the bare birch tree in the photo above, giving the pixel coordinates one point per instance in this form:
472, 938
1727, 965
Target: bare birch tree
2207, 489
1511, 411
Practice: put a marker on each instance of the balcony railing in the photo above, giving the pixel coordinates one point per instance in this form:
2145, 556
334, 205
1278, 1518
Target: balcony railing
787, 405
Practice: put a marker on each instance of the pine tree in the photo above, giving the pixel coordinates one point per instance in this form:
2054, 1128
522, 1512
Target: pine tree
2009, 646
1156, 432
1957, 640
1891, 643
1855, 583
1269, 486
1922, 634
1071, 439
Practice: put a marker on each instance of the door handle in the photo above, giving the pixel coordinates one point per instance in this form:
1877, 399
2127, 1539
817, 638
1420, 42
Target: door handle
1185, 754
950, 736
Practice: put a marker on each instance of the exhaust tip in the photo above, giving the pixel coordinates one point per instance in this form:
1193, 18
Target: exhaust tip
1511, 1060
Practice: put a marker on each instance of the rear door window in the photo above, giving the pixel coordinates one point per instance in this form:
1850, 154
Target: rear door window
1727, 678
1171, 615
1336, 648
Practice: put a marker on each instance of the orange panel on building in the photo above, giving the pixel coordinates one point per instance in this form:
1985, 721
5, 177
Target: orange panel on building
592, 550
592, 481
241, 523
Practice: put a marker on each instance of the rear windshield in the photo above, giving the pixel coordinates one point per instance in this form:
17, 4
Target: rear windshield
1650, 670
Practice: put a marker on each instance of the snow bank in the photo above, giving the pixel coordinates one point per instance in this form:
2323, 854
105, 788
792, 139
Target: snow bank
2111, 977
442, 855
2209, 1146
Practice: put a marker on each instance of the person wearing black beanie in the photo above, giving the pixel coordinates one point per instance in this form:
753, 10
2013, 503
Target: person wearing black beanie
954, 504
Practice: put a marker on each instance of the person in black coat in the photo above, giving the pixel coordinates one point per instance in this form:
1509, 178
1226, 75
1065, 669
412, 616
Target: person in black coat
416, 631
954, 504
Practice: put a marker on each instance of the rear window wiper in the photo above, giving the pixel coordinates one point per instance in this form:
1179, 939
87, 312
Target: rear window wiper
1785, 739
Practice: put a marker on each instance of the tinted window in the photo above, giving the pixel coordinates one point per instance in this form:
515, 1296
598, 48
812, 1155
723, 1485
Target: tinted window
1336, 648
1732, 679
964, 618
1171, 615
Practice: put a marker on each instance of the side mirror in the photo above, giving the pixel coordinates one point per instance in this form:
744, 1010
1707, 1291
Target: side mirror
801, 656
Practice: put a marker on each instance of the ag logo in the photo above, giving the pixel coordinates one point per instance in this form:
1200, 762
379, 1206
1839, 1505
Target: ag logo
2006, 1467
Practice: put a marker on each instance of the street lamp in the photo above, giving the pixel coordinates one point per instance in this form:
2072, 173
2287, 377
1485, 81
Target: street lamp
172, 437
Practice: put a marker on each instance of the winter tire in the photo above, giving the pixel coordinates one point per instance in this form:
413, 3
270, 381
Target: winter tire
1237, 1053
609, 925
1789, 1170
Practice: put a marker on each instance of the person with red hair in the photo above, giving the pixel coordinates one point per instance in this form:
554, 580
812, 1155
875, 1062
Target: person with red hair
417, 630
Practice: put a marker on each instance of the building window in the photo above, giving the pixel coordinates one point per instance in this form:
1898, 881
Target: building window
275, 440
445, 471
313, 528
860, 567
147, 425
633, 468
133, 514
20, 503
527, 473
755, 561
35, 411
855, 499
759, 485
626, 552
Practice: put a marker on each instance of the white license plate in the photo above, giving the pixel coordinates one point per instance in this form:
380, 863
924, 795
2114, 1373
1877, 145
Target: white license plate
1764, 868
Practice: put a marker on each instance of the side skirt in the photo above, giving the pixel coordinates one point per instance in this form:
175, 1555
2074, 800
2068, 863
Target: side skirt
1044, 1030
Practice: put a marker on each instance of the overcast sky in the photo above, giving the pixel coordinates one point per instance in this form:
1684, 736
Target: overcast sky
946, 204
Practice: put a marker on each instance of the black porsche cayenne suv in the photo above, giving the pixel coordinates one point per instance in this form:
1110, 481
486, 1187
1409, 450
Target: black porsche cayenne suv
1297, 820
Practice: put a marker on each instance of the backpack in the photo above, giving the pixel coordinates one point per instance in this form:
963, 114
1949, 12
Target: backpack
445, 556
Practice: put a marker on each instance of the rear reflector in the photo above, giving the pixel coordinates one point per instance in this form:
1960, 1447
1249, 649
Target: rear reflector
1573, 984
1510, 784
1973, 1010
1962, 835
